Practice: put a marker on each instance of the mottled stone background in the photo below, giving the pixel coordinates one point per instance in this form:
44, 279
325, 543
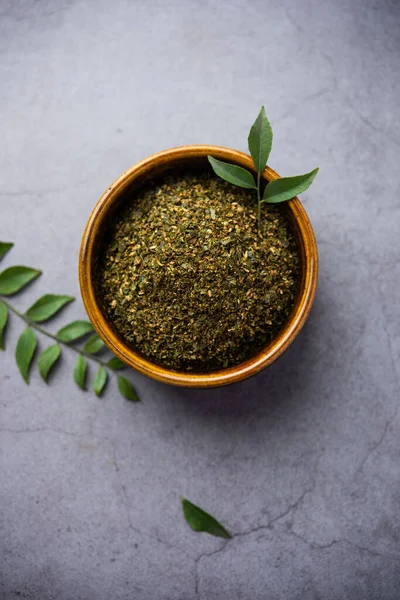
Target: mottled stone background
301, 463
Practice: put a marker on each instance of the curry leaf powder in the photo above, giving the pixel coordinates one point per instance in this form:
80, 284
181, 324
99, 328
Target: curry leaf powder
187, 279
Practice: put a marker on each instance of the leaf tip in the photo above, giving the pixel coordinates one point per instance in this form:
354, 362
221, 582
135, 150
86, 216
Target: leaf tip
5, 247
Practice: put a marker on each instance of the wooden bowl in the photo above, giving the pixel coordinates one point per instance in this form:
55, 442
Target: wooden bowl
145, 170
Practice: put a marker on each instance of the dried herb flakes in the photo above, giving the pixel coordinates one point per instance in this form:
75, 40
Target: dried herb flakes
188, 280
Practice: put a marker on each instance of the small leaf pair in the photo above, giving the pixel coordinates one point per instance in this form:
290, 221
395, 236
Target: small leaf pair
125, 387
94, 344
25, 351
80, 373
260, 144
278, 190
45, 308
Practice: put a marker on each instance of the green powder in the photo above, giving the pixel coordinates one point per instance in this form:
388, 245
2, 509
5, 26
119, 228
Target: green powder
188, 280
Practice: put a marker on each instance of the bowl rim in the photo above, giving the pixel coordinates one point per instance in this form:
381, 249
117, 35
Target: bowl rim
116, 344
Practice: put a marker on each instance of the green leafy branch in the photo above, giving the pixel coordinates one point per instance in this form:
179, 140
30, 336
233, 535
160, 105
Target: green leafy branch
260, 144
15, 279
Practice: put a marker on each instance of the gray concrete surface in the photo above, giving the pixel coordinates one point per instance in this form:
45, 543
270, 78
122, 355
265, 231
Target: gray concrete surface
301, 463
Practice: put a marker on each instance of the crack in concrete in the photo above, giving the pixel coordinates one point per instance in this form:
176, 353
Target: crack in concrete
302, 102
123, 496
336, 85
267, 527
375, 445
122, 487
196, 563
367, 122
291, 507
314, 546
391, 349
43, 430
125, 502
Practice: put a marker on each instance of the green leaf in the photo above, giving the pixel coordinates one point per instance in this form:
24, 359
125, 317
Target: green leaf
94, 344
13, 279
100, 380
74, 331
116, 364
260, 141
47, 359
24, 352
199, 520
3, 323
233, 173
126, 389
4, 248
47, 306
80, 371
287, 188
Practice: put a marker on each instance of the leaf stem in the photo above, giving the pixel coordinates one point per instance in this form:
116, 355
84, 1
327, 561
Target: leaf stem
52, 336
259, 201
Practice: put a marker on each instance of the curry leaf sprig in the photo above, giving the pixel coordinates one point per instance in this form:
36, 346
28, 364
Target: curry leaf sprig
260, 144
14, 280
